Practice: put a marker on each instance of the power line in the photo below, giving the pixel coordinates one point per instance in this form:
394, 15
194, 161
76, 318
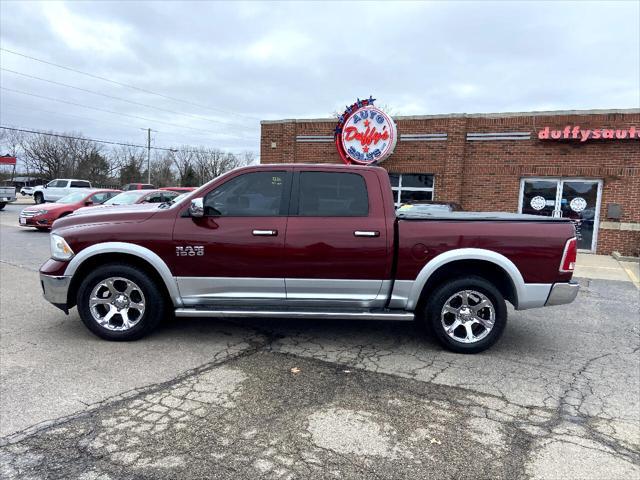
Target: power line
101, 120
128, 86
107, 122
118, 113
59, 135
127, 101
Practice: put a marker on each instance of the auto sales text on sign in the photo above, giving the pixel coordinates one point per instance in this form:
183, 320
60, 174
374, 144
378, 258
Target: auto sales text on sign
365, 134
583, 134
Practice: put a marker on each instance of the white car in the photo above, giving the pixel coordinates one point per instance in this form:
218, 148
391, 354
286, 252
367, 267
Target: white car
58, 188
24, 191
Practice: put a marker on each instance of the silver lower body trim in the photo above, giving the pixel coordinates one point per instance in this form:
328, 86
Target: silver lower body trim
562, 293
55, 288
202, 290
533, 295
345, 293
298, 314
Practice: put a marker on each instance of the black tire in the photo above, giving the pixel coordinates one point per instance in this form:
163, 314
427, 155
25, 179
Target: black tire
155, 307
433, 314
43, 229
2, 205
38, 198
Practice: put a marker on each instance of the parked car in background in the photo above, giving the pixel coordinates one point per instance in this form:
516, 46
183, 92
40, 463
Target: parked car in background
430, 206
137, 186
58, 188
179, 189
24, 191
142, 196
133, 197
7, 195
43, 216
307, 241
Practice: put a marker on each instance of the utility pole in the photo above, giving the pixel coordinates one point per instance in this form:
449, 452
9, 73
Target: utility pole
148, 155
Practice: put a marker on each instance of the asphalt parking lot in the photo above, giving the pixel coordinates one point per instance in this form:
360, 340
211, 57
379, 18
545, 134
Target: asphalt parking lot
557, 397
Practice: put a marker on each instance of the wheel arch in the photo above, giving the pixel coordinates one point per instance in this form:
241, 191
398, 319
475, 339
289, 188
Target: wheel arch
488, 264
121, 252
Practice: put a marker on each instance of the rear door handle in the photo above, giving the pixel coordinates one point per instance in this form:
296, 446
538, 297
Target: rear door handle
366, 233
265, 233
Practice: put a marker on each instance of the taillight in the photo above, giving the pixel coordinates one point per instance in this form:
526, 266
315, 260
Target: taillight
568, 262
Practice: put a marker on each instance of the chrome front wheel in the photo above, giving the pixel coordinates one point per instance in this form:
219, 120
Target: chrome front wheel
120, 301
117, 303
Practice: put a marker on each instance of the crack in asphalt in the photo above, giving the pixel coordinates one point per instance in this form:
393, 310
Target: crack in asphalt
183, 401
375, 405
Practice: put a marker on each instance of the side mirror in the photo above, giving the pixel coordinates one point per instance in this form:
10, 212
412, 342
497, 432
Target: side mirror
196, 208
46, 185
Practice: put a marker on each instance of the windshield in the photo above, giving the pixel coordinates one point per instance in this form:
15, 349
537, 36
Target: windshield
126, 198
180, 197
73, 197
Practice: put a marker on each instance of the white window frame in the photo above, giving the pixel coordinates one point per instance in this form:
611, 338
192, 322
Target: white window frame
398, 190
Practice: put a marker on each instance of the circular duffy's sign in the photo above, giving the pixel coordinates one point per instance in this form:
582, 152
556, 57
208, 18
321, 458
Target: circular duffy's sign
365, 134
578, 204
538, 203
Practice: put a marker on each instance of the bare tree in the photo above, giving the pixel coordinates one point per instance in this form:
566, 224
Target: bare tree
46, 155
184, 161
248, 158
162, 174
129, 161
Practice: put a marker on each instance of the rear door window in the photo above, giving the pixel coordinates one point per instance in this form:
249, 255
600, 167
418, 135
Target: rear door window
332, 194
80, 184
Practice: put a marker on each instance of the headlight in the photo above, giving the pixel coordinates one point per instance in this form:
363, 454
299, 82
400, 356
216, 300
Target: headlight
42, 212
60, 249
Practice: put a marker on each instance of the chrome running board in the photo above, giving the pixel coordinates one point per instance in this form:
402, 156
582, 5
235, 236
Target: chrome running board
300, 314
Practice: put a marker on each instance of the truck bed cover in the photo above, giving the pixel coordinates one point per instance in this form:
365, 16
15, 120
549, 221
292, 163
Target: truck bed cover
476, 216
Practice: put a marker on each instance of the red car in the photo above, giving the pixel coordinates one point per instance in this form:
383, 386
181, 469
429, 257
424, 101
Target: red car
133, 197
43, 215
137, 186
179, 189
307, 241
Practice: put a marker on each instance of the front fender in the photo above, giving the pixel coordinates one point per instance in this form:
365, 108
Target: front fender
143, 253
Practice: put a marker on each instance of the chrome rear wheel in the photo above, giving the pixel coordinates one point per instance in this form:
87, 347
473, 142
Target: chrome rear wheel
468, 316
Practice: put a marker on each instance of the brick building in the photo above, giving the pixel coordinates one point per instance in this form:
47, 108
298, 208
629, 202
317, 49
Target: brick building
511, 162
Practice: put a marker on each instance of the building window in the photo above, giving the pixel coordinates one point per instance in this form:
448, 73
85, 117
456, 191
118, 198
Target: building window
411, 187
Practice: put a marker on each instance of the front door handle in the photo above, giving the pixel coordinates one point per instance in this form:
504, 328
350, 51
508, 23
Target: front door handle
366, 233
265, 233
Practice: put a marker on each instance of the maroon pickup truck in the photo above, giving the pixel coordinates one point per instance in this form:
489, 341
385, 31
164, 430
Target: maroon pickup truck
306, 241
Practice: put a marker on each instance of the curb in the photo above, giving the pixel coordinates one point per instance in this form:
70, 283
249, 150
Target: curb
622, 258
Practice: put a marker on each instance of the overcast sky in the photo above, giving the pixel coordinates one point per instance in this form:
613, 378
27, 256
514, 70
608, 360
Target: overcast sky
236, 63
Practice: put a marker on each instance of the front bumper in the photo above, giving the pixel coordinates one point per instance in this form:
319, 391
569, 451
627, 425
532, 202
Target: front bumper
37, 221
55, 289
562, 293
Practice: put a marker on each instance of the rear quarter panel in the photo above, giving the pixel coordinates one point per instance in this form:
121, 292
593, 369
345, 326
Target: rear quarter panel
534, 247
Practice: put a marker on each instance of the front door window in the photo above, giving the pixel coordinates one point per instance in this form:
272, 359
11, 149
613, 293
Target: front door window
576, 199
